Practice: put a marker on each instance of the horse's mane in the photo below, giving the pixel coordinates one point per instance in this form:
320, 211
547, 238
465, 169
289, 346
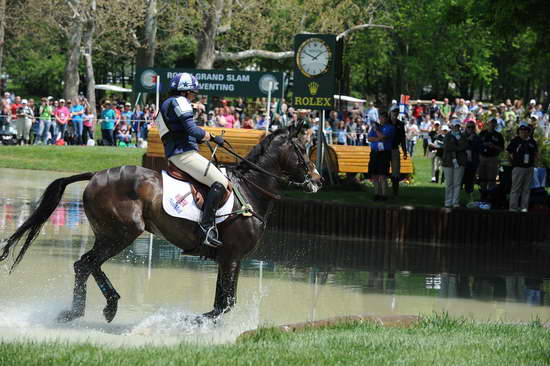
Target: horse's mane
259, 150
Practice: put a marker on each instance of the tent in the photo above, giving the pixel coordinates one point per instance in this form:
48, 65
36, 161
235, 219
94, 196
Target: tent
346, 98
113, 88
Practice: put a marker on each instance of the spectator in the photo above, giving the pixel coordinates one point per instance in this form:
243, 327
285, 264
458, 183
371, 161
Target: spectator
461, 110
14, 107
523, 152
77, 110
108, 117
372, 114
219, 119
399, 140
25, 117
446, 109
418, 112
138, 121
472, 158
237, 118
381, 141
426, 127
248, 122
261, 122
61, 114
436, 141
412, 132
88, 126
123, 135
228, 116
275, 123
341, 133
45, 114
35, 127
454, 161
433, 110
493, 144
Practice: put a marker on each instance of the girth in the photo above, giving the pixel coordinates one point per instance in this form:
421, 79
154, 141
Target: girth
198, 190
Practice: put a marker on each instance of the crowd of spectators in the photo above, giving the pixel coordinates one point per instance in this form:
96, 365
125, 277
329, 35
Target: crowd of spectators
463, 139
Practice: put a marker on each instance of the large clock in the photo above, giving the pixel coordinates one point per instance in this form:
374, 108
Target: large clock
313, 57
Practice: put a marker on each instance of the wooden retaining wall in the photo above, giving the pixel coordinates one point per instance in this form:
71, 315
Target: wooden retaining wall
399, 224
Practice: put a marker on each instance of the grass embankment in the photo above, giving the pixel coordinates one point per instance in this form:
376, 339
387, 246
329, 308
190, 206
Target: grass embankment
68, 158
439, 340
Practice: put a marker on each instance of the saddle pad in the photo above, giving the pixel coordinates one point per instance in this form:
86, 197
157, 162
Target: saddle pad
178, 201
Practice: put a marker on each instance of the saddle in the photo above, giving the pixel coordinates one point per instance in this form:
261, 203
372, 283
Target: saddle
198, 189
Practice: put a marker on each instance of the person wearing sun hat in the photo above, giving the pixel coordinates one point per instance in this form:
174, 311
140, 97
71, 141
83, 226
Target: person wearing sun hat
523, 152
107, 117
454, 162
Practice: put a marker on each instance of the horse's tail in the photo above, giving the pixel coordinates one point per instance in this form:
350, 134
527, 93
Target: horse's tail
46, 206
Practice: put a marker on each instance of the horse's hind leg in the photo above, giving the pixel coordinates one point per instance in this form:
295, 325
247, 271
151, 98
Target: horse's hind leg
90, 263
82, 268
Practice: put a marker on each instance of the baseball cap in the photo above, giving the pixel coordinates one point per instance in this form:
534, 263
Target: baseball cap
128, 104
455, 122
524, 126
107, 102
445, 128
24, 101
532, 101
393, 101
61, 100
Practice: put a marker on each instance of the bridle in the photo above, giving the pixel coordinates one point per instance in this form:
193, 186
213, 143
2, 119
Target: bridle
283, 180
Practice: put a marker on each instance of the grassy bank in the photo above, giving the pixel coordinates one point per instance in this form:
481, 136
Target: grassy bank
68, 158
438, 340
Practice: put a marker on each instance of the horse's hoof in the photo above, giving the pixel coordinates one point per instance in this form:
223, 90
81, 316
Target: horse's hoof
68, 315
110, 311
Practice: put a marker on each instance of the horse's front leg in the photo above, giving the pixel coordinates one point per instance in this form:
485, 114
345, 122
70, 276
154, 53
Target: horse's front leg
226, 287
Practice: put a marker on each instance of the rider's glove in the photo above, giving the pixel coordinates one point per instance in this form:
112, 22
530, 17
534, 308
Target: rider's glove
218, 140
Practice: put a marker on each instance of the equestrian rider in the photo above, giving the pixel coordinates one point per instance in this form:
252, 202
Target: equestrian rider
181, 136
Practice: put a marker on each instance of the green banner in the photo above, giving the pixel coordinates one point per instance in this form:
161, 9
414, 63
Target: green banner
316, 59
232, 83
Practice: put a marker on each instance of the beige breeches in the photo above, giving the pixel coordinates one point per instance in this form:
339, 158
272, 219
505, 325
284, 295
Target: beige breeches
195, 165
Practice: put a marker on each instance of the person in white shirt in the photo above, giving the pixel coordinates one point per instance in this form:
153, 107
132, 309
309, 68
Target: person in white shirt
411, 132
426, 127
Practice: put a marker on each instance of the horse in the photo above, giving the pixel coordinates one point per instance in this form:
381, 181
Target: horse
121, 203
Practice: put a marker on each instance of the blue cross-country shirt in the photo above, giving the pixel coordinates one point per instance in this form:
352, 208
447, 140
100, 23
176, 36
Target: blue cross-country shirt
177, 128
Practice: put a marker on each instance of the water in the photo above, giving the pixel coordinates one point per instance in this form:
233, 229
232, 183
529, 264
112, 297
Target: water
290, 279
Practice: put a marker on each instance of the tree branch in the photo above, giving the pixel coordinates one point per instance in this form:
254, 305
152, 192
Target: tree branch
359, 27
235, 56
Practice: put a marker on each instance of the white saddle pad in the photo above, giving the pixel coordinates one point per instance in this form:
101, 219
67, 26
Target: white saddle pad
178, 201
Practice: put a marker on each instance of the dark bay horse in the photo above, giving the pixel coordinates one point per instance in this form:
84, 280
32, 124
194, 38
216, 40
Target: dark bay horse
121, 203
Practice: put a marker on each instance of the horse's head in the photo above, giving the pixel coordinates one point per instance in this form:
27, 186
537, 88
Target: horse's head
295, 162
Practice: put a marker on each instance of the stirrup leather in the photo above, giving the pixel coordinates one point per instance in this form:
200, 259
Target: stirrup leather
210, 236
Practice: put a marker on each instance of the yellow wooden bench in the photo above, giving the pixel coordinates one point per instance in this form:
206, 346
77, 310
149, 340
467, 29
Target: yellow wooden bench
242, 140
354, 159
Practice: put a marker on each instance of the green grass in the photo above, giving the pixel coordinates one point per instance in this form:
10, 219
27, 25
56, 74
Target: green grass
439, 340
68, 158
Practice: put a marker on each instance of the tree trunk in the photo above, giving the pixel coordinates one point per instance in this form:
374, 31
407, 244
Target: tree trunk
88, 39
206, 50
150, 33
74, 35
2, 30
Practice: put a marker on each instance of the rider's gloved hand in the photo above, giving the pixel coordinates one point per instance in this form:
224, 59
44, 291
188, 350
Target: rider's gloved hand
217, 139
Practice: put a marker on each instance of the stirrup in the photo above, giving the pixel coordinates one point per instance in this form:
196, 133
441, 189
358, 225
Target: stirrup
210, 238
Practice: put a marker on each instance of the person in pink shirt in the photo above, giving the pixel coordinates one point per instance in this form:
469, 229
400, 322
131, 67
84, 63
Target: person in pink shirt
229, 118
62, 116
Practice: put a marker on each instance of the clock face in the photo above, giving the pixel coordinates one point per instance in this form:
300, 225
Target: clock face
313, 57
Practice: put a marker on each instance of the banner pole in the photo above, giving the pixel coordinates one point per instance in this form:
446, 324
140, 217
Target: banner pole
268, 109
158, 94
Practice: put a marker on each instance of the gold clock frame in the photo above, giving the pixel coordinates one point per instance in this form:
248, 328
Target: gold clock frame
298, 52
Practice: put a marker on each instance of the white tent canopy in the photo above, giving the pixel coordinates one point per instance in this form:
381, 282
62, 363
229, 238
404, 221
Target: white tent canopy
113, 88
349, 99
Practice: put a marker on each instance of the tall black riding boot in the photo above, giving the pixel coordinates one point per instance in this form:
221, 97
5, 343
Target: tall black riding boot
395, 185
437, 176
208, 220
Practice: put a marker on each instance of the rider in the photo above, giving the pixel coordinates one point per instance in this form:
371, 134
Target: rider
180, 136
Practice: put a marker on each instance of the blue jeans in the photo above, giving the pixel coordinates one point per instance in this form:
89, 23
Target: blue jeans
78, 126
410, 147
61, 131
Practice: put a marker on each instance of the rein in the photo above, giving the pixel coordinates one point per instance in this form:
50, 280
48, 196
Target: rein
279, 179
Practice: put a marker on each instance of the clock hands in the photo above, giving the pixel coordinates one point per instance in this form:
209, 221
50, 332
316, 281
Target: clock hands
319, 54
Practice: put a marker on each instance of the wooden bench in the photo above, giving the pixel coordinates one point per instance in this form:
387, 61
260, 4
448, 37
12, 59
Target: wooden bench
242, 140
354, 159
